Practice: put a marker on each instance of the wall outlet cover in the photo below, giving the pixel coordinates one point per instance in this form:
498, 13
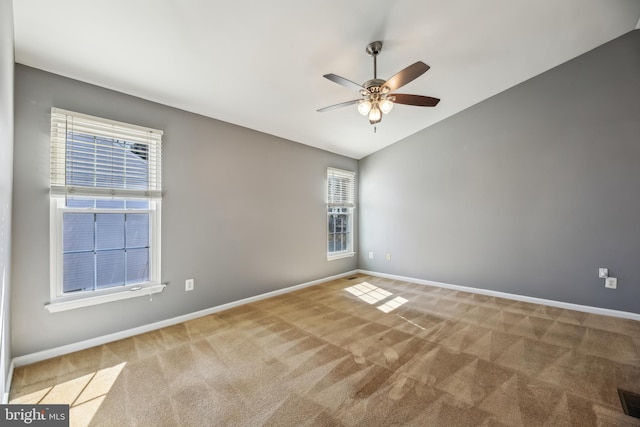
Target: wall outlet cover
188, 284
603, 273
611, 283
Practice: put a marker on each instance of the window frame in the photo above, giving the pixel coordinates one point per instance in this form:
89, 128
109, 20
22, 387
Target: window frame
344, 198
61, 301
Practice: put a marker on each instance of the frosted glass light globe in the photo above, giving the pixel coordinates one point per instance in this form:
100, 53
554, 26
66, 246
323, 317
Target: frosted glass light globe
364, 107
386, 106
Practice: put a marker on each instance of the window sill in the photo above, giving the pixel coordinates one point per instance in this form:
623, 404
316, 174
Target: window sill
340, 255
64, 304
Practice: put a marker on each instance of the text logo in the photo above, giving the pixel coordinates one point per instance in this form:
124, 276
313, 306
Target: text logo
34, 415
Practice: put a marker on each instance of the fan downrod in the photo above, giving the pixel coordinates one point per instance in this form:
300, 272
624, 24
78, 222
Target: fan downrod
374, 49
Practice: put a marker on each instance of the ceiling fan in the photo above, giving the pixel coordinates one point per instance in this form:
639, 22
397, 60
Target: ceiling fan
377, 98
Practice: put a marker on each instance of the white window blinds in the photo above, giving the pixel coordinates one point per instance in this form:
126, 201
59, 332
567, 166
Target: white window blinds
91, 156
341, 188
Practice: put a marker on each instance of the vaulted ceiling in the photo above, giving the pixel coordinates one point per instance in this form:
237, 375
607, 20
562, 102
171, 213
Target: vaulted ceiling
259, 64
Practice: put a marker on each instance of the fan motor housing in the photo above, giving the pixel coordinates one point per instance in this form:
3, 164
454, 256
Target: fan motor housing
374, 85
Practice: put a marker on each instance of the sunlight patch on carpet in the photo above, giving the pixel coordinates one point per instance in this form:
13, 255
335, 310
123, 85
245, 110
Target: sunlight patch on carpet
84, 394
392, 305
372, 294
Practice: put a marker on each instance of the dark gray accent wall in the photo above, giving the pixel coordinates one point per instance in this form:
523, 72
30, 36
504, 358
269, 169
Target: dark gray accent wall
528, 192
6, 174
243, 213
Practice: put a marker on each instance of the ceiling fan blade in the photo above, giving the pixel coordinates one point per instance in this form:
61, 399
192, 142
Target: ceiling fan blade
344, 82
418, 100
407, 75
342, 104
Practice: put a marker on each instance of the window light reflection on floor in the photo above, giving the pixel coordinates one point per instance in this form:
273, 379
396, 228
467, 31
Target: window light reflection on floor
84, 394
372, 294
392, 305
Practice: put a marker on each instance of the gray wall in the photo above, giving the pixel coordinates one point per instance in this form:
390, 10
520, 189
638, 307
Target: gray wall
528, 192
243, 213
6, 168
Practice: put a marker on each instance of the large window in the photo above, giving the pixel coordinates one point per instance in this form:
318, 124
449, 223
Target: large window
105, 210
341, 202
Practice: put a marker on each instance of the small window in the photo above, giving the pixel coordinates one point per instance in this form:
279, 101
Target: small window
341, 198
105, 210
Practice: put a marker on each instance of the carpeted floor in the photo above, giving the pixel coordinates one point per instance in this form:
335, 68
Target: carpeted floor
362, 352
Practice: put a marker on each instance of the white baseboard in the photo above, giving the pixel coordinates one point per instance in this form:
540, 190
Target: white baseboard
516, 297
7, 384
82, 345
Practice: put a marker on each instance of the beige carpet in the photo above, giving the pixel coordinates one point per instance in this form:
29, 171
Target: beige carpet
361, 352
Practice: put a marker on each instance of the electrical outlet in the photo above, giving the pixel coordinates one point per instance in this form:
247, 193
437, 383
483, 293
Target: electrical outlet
188, 284
603, 273
611, 283
388, 257
370, 255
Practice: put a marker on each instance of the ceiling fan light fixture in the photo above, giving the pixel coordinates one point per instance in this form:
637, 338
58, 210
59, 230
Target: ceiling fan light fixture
364, 107
378, 96
386, 105
375, 115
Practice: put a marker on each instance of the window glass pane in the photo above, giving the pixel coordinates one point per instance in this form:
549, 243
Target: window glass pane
137, 230
339, 241
109, 231
331, 246
77, 232
80, 202
332, 224
106, 233
137, 204
110, 268
137, 265
102, 203
110, 203
339, 229
78, 272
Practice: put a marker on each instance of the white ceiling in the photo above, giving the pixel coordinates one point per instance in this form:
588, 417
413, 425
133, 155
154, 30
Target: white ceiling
259, 64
